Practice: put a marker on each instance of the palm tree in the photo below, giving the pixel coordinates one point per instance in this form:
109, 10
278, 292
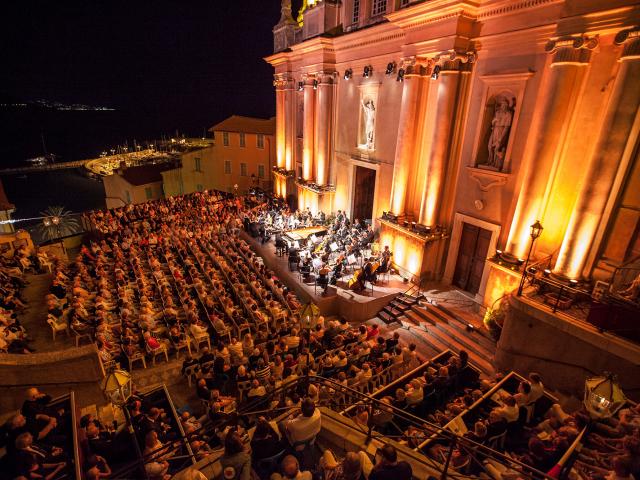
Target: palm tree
57, 222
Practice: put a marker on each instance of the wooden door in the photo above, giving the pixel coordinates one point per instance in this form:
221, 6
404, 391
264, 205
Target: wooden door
363, 193
472, 254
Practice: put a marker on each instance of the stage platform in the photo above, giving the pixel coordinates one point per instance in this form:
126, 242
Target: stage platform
338, 300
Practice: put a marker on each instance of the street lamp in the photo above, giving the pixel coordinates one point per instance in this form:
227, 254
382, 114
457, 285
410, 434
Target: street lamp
117, 388
536, 231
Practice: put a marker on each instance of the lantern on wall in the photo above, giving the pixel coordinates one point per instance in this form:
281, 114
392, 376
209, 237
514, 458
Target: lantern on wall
603, 396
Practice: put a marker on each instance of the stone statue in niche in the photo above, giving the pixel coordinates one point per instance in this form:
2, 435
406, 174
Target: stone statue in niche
369, 114
498, 131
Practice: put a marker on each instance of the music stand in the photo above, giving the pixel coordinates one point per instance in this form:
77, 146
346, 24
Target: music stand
334, 247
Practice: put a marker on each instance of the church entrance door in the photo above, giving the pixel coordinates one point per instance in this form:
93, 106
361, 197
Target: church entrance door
363, 193
472, 253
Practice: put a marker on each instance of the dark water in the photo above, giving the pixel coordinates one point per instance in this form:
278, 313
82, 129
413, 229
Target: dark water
71, 135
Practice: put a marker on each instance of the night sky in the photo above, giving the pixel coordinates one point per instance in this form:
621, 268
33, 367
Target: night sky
191, 62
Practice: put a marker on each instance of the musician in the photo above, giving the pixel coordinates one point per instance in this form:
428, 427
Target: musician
369, 271
323, 277
340, 217
385, 259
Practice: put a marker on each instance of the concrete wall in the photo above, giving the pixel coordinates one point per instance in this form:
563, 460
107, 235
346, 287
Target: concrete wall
55, 373
564, 351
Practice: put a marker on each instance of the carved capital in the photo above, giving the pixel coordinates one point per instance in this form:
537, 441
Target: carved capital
416, 65
454, 60
327, 77
282, 80
630, 40
571, 49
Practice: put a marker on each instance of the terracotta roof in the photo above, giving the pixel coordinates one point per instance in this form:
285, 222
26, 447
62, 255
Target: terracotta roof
145, 174
237, 123
5, 204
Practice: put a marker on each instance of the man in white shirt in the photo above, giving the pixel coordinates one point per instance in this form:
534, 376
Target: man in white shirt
306, 425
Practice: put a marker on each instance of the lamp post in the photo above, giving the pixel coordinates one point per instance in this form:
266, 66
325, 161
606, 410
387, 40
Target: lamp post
117, 388
536, 231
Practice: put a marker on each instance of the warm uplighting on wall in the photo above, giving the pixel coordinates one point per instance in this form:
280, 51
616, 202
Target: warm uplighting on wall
575, 248
407, 252
398, 194
320, 168
306, 164
499, 283
287, 160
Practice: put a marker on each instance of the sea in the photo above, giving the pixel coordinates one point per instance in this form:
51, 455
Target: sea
29, 131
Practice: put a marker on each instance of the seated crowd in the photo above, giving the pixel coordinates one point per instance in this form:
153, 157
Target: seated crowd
39, 440
175, 274
13, 266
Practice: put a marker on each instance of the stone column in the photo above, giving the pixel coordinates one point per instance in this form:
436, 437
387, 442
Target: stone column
308, 130
280, 83
406, 148
439, 131
556, 104
323, 127
606, 160
290, 108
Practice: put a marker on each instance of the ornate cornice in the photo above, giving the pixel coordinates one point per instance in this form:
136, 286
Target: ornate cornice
510, 6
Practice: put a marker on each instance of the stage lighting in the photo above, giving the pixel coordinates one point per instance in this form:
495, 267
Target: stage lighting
413, 225
391, 67
315, 84
348, 73
300, 86
405, 224
436, 72
573, 283
498, 253
546, 272
368, 70
532, 270
400, 77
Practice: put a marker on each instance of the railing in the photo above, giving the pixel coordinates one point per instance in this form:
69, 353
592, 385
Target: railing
249, 411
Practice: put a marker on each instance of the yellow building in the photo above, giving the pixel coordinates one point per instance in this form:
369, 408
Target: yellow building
134, 185
242, 154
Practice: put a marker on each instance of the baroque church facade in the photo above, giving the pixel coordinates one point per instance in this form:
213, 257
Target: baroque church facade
454, 125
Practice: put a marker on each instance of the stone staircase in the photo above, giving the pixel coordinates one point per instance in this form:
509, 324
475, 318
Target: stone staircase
438, 328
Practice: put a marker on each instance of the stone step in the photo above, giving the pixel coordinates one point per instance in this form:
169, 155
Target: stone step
468, 339
413, 317
458, 320
461, 326
425, 314
429, 340
483, 363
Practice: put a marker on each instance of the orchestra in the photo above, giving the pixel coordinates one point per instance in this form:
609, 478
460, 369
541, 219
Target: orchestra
334, 244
